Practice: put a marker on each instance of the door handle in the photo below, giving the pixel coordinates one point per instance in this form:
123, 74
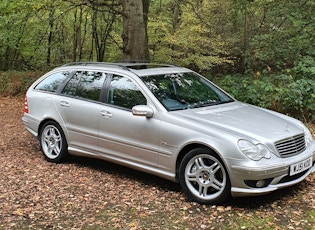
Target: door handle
64, 104
106, 114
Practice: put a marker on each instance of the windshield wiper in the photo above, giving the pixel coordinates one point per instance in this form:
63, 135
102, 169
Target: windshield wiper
208, 103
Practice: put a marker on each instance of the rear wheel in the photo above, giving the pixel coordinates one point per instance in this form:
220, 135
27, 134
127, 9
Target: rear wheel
204, 178
53, 142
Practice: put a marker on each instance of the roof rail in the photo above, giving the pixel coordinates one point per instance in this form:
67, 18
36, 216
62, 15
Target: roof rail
127, 65
88, 63
95, 63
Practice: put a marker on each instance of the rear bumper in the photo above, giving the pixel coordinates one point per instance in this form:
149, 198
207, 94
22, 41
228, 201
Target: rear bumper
31, 124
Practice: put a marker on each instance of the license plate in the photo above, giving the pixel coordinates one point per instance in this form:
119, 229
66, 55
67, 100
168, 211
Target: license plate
300, 167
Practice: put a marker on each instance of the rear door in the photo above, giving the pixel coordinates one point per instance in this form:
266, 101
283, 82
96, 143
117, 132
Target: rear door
79, 108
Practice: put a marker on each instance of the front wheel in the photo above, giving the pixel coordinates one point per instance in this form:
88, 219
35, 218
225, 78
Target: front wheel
53, 142
204, 178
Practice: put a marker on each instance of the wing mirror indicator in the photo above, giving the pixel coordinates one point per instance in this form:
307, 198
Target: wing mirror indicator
142, 110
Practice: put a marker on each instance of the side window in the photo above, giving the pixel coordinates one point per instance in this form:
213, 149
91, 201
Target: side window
52, 82
71, 87
124, 93
90, 85
85, 84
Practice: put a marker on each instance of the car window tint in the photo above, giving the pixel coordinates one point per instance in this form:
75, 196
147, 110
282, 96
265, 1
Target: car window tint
52, 82
87, 85
90, 85
124, 93
71, 87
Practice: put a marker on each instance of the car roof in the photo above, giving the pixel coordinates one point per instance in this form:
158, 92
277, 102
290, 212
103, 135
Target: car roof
140, 69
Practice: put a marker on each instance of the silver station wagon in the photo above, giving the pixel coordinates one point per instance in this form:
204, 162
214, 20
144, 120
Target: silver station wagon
170, 122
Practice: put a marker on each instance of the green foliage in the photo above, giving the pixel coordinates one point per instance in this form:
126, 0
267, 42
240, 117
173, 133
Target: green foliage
305, 68
232, 36
14, 83
187, 40
282, 93
267, 47
36, 34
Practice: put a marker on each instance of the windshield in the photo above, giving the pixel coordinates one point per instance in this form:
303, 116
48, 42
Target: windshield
179, 91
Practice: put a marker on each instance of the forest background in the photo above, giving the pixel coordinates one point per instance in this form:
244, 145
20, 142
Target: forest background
260, 51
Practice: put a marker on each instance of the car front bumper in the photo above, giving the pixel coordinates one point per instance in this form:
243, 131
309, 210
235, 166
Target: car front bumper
249, 180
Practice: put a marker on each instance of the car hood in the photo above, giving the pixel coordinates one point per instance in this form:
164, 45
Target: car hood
244, 121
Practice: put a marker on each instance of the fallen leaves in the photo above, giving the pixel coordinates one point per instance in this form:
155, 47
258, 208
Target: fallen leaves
88, 194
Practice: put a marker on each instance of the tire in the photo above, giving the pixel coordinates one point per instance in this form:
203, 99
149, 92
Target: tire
53, 142
204, 178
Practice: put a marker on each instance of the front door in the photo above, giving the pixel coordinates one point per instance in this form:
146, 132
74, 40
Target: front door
123, 136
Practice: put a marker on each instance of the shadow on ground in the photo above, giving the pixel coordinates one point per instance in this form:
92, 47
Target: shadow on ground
148, 180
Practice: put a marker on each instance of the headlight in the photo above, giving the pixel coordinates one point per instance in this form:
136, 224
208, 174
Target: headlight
308, 137
252, 151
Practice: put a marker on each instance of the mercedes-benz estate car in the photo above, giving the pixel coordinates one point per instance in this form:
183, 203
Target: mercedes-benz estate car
171, 122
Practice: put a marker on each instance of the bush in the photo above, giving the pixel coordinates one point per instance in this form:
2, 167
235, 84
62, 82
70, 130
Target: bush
305, 68
282, 93
14, 83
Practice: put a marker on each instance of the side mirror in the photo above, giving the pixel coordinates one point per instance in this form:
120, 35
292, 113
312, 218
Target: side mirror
142, 110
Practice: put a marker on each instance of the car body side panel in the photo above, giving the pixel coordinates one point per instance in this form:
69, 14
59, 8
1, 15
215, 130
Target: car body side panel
41, 107
129, 137
80, 119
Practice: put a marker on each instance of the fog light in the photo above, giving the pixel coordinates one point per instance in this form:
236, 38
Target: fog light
260, 183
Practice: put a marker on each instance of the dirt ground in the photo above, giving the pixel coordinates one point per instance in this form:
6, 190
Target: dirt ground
92, 194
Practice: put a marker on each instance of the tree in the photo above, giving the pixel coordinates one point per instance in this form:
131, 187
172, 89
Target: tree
191, 38
135, 39
101, 30
216, 36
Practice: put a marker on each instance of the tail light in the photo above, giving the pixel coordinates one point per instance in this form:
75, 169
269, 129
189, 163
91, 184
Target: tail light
25, 105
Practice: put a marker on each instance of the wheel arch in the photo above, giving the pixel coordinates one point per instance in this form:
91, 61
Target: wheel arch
190, 147
43, 122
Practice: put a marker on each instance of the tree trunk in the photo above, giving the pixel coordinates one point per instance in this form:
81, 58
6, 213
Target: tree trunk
50, 34
177, 15
135, 39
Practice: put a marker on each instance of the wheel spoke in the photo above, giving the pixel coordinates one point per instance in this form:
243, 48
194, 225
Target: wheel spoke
203, 190
214, 168
57, 139
49, 149
199, 163
46, 140
192, 177
217, 185
52, 131
57, 148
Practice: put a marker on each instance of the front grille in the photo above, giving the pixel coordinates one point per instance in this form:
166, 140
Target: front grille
291, 146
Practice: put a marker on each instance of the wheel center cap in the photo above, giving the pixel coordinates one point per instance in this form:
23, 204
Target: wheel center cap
52, 141
205, 175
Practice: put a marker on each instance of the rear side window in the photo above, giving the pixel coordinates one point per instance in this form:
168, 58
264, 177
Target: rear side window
72, 85
52, 82
86, 84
